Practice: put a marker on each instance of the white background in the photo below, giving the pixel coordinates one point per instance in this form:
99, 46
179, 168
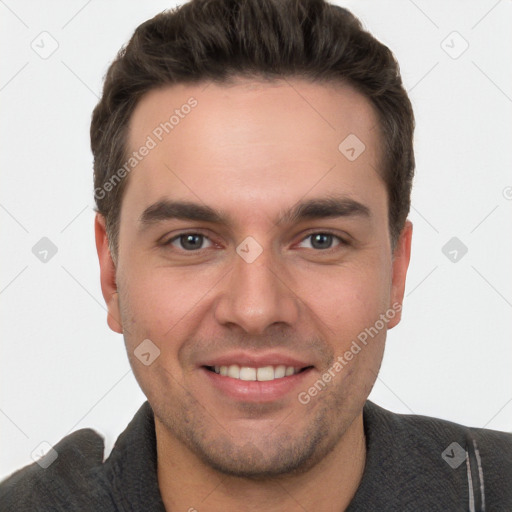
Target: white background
62, 368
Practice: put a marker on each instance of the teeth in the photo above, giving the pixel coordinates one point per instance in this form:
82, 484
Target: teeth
247, 373
279, 371
266, 373
234, 371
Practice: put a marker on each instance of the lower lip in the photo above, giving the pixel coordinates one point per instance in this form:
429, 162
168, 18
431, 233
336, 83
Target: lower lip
253, 390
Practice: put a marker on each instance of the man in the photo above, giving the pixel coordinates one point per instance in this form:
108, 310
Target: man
253, 168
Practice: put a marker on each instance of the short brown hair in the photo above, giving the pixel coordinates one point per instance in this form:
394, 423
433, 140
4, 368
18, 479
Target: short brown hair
219, 40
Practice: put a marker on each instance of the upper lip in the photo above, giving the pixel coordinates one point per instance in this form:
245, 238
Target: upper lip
254, 360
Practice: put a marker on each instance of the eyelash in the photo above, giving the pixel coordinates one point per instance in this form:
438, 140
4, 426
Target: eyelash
342, 242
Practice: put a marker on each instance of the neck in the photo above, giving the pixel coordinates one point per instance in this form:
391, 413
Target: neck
186, 483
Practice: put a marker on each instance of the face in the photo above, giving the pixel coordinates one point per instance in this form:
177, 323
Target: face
254, 253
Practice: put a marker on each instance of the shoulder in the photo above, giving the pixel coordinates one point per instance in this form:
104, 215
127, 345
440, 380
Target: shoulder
439, 454
69, 477
428, 431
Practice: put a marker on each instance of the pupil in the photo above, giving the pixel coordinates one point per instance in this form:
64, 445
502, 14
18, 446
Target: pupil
322, 241
191, 241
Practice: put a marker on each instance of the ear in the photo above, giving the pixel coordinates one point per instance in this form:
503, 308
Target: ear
401, 258
107, 275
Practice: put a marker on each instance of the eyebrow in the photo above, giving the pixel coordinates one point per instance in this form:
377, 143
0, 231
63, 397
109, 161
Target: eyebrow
320, 208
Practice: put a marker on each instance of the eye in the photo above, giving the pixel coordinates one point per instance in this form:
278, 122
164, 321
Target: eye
189, 241
322, 241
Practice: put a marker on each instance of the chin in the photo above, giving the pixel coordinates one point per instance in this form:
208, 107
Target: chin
262, 457
249, 461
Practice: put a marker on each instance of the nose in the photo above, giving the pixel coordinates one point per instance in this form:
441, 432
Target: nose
257, 295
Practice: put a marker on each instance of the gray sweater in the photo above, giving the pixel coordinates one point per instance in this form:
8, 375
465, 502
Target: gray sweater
413, 463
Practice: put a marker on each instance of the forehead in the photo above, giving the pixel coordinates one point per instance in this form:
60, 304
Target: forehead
252, 140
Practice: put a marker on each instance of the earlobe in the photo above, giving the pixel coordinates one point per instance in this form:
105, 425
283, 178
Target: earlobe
401, 258
114, 314
107, 275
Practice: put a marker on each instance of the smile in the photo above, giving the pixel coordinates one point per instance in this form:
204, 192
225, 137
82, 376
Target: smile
261, 374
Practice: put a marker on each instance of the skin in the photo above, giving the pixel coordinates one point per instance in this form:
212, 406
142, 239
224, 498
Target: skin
252, 150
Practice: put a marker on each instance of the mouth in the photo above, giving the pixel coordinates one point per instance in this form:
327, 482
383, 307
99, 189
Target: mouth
252, 379
261, 374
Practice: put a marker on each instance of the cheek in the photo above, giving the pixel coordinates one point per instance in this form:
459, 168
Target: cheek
345, 299
162, 305
161, 302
